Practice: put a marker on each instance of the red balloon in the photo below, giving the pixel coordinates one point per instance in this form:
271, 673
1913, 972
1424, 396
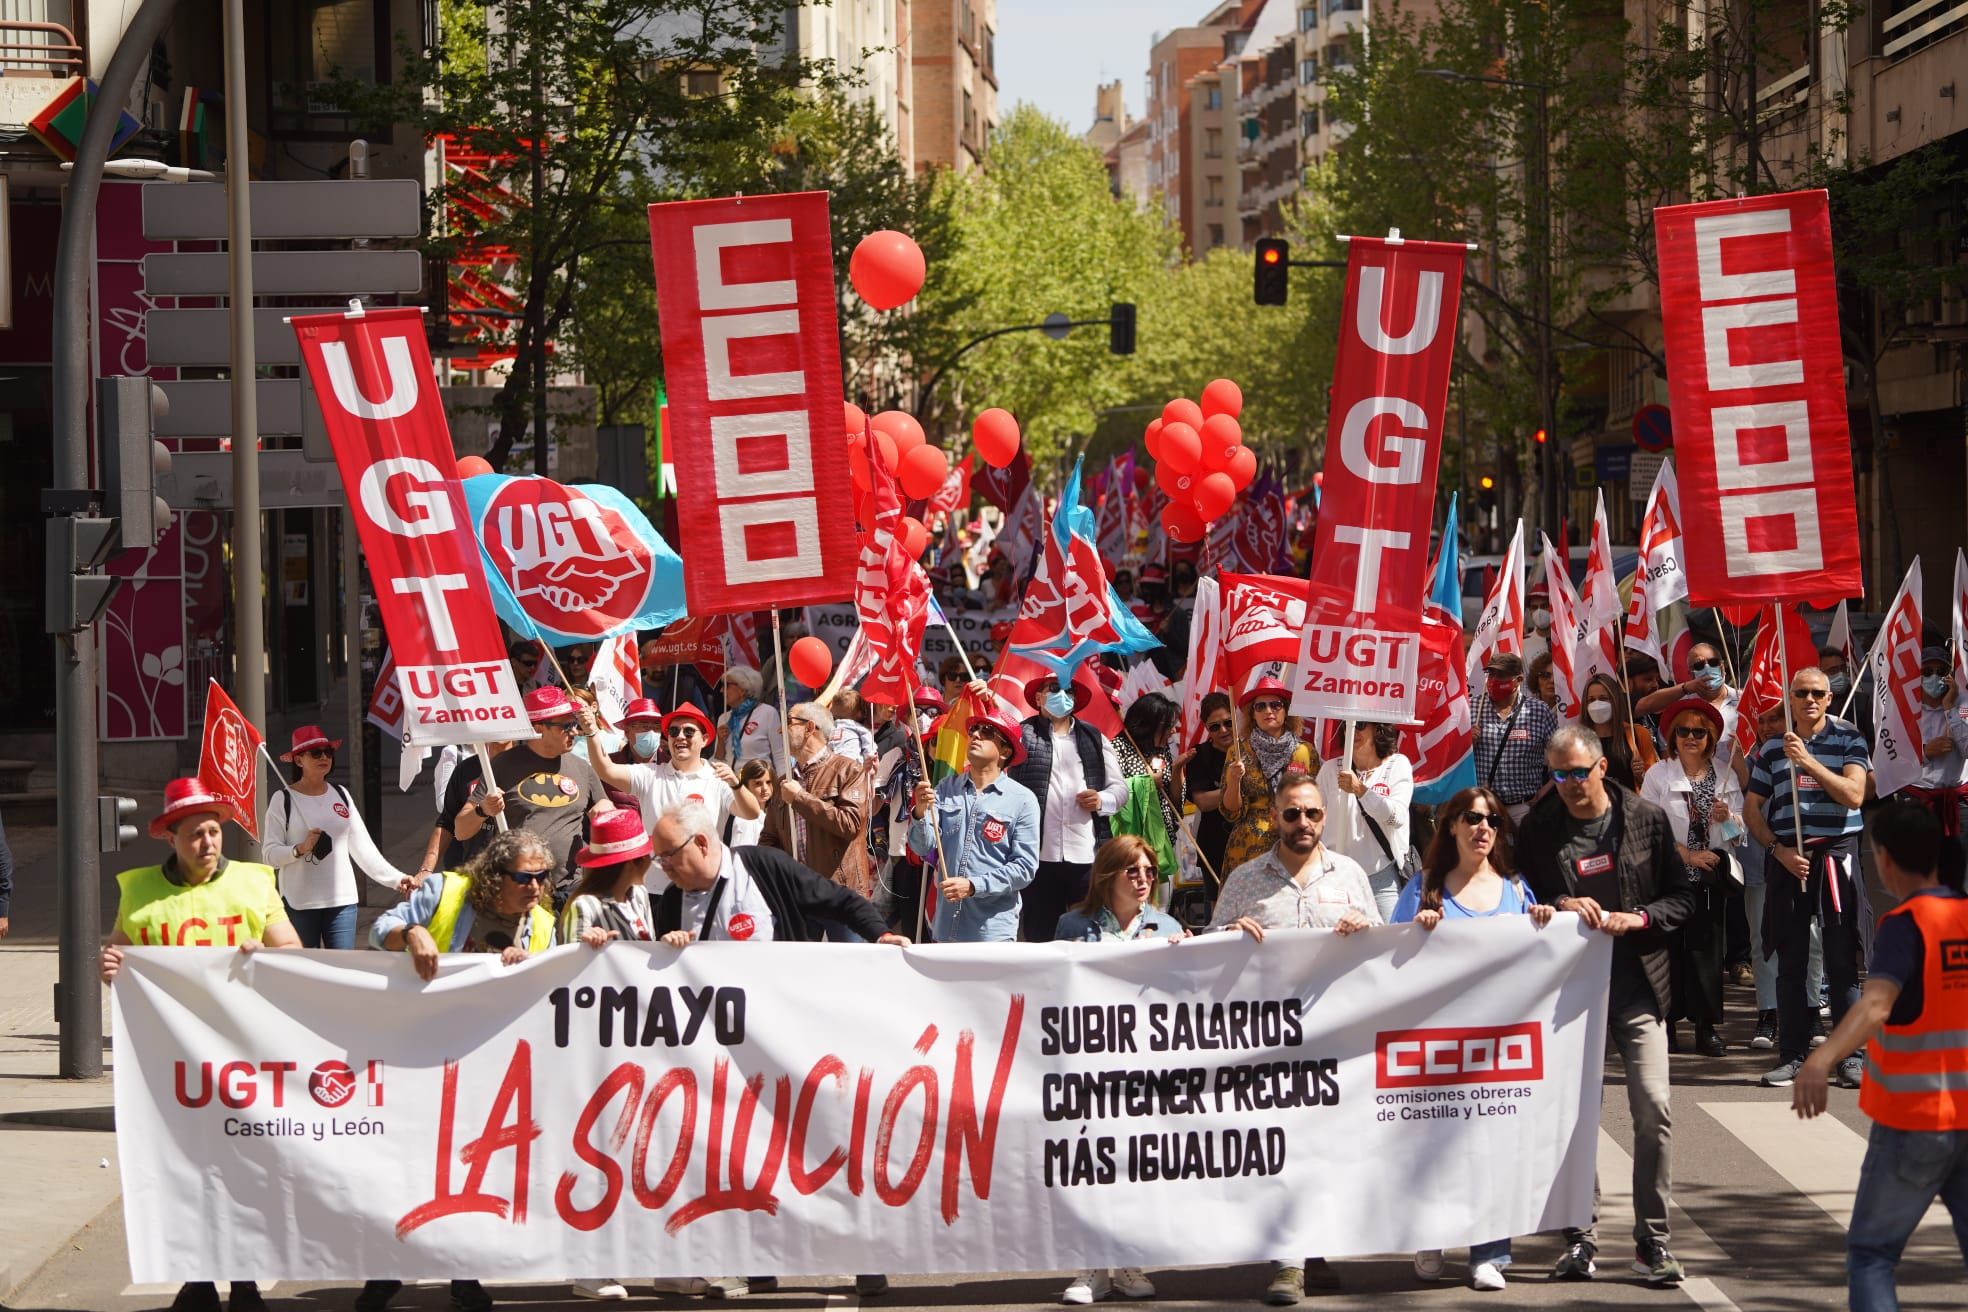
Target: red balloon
1223, 397
1181, 446
1151, 438
995, 432
473, 466
1242, 467
1182, 411
856, 418
887, 269
811, 660
1213, 495
1141, 478
902, 427
1222, 433
914, 536
1181, 523
923, 470
885, 451
857, 466
1174, 481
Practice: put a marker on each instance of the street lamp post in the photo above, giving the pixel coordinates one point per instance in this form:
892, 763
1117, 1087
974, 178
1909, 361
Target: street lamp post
1546, 507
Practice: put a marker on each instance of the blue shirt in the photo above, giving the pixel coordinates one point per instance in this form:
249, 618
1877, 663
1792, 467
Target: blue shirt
421, 906
1076, 926
1900, 954
991, 837
1517, 900
1836, 746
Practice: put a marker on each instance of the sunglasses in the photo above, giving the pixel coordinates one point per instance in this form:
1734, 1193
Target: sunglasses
1263, 706
1143, 868
565, 726
527, 876
683, 731
1690, 731
1699, 666
1291, 815
1575, 776
953, 678
1475, 819
1221, 726
317, 751
1811, 694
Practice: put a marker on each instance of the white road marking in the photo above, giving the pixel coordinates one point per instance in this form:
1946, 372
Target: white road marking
1688, 1240
1820, 1158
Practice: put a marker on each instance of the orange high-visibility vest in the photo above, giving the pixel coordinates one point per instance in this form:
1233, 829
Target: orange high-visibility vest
1916, 1076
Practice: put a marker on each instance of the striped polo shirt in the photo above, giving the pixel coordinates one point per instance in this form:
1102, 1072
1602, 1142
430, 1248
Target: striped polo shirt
1836, 746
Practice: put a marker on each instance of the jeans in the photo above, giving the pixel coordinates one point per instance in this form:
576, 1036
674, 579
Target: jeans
1641, 1038
1904, 1171
1386, 884
1496, 1253
1057, 886
324, 927
835, 932
1766, 968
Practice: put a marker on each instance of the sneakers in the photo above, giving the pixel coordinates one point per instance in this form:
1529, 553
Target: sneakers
1658, 1265
870, 1286
1319, 1274
1851, 1073
1487, 1276
1428, 1264
688, 1285
727, 1287
376, 1295
1766, 1031
1130, 1283
1782, 1077
602, 1289
1820, 1029
1575, 1263
196, 1296
1087, 1287
1287, 1284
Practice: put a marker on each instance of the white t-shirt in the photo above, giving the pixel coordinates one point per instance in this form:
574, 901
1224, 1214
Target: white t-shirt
330, 882
658, 788
759, 736
1391, 786
1066, 828
742, 915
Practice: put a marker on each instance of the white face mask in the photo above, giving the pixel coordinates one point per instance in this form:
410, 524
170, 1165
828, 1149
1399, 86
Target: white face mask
1601, 712
1540, 619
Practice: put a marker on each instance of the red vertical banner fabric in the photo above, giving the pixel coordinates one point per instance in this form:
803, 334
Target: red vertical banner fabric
1360, 650
380, 405
751, 358
1749, 302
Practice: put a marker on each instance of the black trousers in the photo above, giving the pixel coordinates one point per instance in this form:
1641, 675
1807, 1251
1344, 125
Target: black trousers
1058, 886
1696, 950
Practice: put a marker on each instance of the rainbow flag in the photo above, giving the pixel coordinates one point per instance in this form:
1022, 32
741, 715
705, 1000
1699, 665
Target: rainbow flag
949, 740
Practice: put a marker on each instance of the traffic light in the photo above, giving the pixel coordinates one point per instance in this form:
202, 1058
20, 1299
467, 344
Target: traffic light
127, 410
1539, 437
113, 817
76, 595
1271, 279
1120, 328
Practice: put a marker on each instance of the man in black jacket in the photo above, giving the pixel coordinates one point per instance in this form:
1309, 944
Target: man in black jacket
1594, 848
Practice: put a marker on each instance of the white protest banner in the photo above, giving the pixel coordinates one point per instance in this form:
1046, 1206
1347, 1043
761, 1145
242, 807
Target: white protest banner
1010, 1107
835, 626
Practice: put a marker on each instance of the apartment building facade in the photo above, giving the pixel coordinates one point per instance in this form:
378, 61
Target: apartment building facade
954, 92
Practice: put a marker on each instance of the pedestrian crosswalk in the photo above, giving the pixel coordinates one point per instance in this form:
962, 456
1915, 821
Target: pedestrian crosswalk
1819, 1158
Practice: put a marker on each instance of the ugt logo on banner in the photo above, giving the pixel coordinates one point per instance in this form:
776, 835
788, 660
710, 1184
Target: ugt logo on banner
227, 755
573, 564
751, 356
1361, 645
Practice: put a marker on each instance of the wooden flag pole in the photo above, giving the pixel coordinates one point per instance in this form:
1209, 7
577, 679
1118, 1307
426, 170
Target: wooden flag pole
785, 735
935, 823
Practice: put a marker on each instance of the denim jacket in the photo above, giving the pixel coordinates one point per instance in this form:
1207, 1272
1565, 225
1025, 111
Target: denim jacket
991, 837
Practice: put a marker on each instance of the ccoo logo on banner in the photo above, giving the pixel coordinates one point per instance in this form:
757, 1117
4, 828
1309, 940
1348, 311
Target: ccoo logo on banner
572, 564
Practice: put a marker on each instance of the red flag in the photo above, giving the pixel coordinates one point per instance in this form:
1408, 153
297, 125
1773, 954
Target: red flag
1262, 617
228, 755
1749, 305
1500, 628
1659, 578
1206, 672
1769, 676
1003, 487
751, 352
386, 699
891, 597
1898, 756
955, 493
1013, 671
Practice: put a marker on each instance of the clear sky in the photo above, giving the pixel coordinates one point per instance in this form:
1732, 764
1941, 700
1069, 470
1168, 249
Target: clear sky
1053, 53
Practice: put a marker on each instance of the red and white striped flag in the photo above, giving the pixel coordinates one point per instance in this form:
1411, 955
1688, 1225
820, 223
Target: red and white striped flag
1206, 670
615, 677
1500, 628
891, 597
1659, 579
1567, 631
1599, 646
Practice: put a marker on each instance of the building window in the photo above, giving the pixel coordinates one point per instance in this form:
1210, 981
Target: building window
700, 83
1213, 144
1212, 191
1213, 98
309, 47
1308, 123
1308, 71
1215, 234
1308, 18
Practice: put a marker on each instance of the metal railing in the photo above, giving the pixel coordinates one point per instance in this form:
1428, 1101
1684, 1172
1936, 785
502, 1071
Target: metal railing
57, 54
1936, 17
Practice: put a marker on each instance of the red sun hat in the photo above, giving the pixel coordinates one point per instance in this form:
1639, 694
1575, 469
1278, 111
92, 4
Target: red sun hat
1081, 693
999, 717
642, 710
1267, 684
689, 711
614, 837
186, 797
548, 703
307, 738
928, 698
1708, 712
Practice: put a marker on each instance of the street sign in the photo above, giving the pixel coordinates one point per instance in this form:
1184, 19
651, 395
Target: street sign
1611, 463
204, 337
287, 273
341, 209
1641, 475
202, 480
203, 408
1653, 428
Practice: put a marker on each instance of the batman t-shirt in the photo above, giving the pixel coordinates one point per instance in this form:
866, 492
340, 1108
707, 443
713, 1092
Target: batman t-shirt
548, 796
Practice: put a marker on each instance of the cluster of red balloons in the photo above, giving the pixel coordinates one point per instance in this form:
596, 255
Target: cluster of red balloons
903, 451
1201, 461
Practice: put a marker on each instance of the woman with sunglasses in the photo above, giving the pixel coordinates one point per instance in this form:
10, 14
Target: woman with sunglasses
315, 840
1199, 774
498, 903
1467, 875
1704, 807
1270, 746
1117, 906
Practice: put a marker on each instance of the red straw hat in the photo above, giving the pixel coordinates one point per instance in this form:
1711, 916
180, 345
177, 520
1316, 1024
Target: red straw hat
307, 738
183, 797
1267, 684
999, 717
930, 698
1699, 706
548, 703
614, 837
689, 711
642, 710
1081, 693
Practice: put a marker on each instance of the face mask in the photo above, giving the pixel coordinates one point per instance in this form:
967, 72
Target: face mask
1540, 618
1934, 685
1059, 703
1601, 712
1501, 689
645, 744
1710, 678
1841, 683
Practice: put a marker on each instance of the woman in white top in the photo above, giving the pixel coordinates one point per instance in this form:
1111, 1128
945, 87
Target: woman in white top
611, 901
314, 840
1704, 805
1379, 785
757, 777
749, 728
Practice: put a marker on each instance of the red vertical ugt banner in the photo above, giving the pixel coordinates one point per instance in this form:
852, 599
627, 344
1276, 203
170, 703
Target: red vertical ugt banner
1756, 377
751, 359
380, 405
1361, 645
